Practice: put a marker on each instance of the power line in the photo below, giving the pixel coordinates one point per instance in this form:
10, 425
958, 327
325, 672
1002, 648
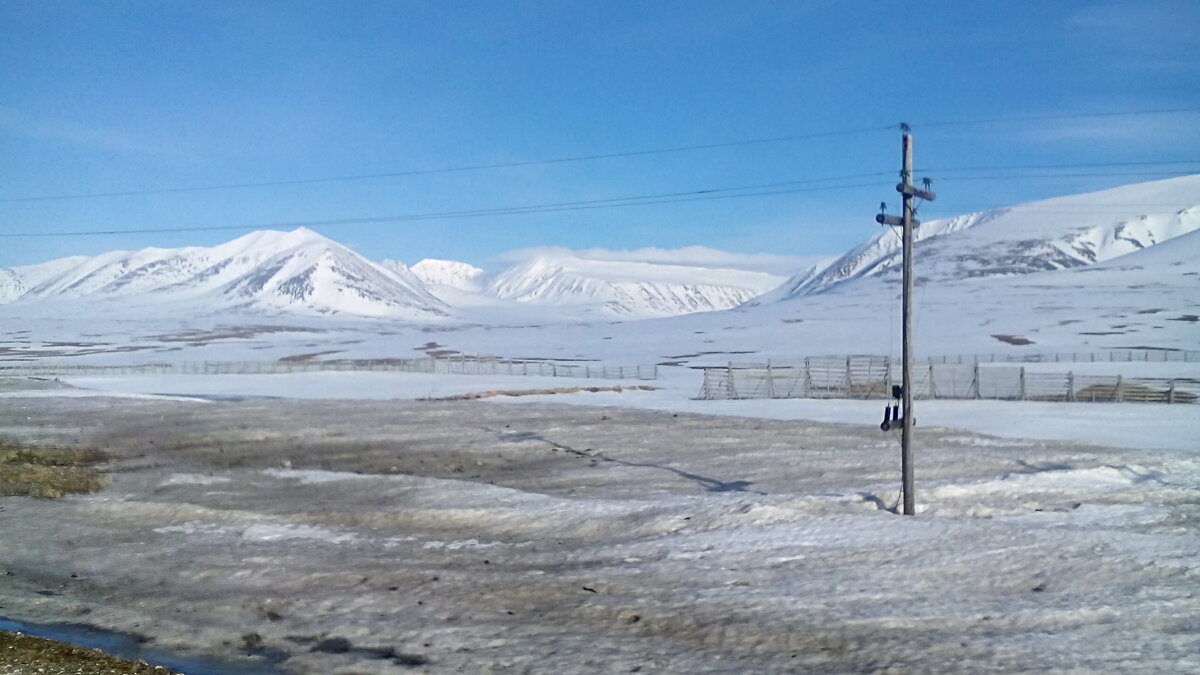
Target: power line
1045, 118
952, 177
614, 202
456, 169
707, 194
585, 158
1060, 166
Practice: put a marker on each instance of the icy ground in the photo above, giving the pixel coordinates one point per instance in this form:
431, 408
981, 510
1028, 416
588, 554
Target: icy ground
378, 536
1149, 426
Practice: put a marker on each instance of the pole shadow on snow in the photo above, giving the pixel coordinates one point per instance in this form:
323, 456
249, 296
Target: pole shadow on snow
709, 484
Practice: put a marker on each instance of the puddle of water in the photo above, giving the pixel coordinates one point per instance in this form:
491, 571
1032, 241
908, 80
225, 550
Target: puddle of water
132, 647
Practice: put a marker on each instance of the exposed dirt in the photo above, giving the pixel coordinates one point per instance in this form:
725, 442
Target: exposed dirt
22, 654
470, 396
48, 473
1014, 340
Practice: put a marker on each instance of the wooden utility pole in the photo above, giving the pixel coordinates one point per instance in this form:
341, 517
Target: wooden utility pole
908, 224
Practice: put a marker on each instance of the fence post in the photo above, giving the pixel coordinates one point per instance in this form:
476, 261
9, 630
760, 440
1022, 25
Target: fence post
729, 384
770, 382
1117, 390
1021, 388
1171, 391
975, 383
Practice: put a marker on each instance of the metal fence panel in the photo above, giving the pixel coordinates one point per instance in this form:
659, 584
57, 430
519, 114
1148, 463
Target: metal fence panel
867, 377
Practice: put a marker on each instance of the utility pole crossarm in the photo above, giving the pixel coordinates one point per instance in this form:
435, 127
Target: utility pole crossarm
895, 221
908, 190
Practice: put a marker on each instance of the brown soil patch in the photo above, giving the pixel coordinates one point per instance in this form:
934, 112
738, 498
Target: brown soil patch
48, 473
20, 653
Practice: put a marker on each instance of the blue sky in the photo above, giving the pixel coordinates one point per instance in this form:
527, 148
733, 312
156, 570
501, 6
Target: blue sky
100, 97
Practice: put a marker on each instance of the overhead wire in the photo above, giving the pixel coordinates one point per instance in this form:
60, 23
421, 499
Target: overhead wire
1047, 118
707, 194
584, 158
458, 169
737, 192
640, 200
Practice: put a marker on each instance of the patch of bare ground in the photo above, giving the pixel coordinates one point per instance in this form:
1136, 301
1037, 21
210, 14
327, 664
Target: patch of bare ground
61, 349
297, 358
200, 336
470, 396
20, 653
48, 473
1014, 340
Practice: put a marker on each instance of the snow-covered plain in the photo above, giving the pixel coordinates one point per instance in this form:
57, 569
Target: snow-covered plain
471, 537
351, 522
1126, 425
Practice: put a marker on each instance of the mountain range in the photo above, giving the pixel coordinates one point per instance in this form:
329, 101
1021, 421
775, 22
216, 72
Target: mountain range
269, 272
303, 273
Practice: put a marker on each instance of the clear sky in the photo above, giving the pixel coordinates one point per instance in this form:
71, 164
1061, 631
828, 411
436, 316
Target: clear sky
151, 96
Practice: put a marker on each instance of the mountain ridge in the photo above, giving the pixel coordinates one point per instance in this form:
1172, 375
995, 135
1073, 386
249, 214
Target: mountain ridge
266, 271
1057, 233
627, 288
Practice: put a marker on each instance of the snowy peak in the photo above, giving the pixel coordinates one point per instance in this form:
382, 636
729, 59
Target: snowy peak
322, 276
275, 272
450, 273
633, 289
1039, 236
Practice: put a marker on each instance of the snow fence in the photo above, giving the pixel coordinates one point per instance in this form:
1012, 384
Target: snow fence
458, 364
872, 377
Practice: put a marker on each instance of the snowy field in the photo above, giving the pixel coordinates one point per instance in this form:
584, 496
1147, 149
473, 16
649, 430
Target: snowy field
1133, 425
387, 534
365, 522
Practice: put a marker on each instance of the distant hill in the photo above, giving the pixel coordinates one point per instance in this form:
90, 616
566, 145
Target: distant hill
297, 272
1060, 233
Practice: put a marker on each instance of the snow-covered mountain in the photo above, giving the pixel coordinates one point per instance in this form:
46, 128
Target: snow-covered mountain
1059, 233
16, 281
450, 273
631, 289
301, 272
297, 272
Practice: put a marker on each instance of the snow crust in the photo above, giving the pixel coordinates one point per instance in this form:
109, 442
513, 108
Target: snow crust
1124, 425
556, 539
